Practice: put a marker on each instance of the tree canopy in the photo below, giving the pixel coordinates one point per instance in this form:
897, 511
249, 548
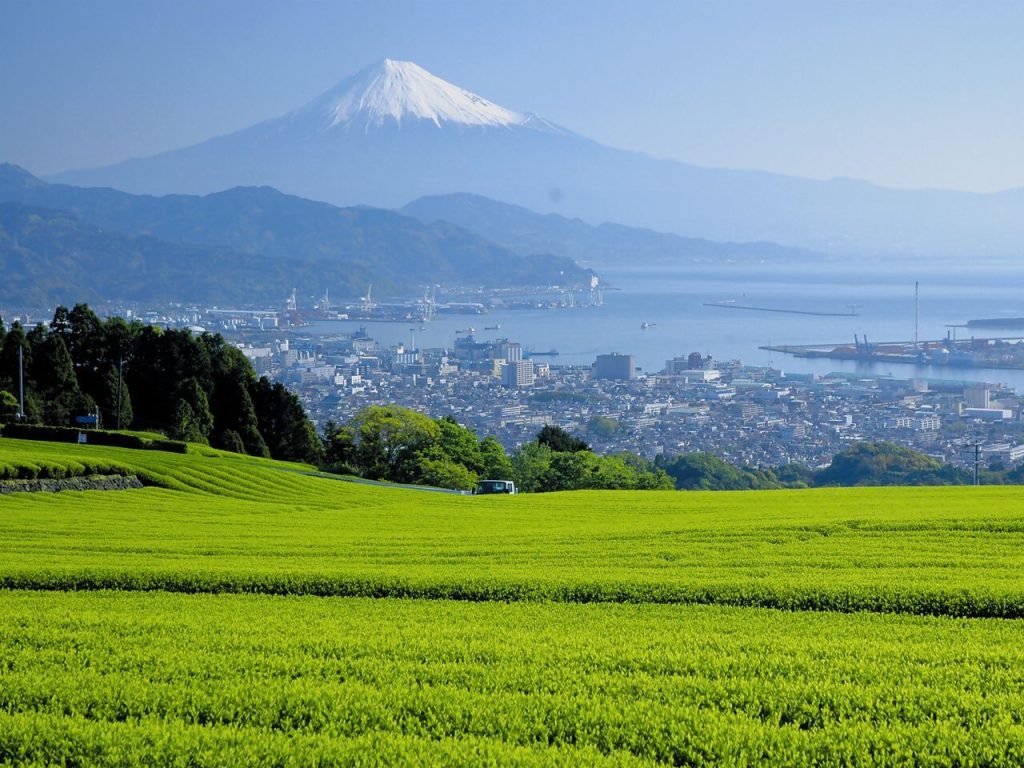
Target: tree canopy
196, 388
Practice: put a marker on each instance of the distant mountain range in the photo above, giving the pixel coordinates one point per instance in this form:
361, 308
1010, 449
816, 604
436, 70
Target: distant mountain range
608, 245
244, 245
394, 132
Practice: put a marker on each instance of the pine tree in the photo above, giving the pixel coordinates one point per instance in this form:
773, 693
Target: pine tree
54, 374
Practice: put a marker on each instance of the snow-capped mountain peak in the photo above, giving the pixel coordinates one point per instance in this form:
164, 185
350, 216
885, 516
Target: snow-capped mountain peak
401, 90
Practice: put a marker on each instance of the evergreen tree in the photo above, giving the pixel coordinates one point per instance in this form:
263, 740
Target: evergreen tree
12, 341
186, 426
560, 441
282, 420
54, 374
232, 441
202, 420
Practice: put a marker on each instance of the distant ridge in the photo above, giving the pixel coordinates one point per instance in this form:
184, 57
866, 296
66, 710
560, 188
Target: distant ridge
243, 244
606, 245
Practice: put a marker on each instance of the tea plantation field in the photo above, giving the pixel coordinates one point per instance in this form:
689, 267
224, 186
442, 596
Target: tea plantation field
242, 611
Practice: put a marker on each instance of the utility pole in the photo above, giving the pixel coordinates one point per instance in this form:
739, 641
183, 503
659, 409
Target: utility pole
21, 383
976, 445
120, 373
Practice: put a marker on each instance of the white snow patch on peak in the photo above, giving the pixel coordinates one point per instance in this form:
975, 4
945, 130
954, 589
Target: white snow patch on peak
402, 89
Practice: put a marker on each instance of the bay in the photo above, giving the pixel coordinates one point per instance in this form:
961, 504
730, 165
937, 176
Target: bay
672, 303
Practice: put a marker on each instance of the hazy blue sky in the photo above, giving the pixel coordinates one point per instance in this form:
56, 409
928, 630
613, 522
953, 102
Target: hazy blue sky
907, 94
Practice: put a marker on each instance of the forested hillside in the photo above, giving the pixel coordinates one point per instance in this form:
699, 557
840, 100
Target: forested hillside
193, 388
250, 244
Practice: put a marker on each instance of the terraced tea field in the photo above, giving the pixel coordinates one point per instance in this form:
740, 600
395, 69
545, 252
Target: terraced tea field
584, 628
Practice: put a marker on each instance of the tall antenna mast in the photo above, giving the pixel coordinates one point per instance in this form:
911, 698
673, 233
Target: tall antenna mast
916, 315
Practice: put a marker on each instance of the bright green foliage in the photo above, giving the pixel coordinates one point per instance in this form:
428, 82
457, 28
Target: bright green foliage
231, 523
8, 407
389, 439
531, 464
552, 629
494, 462
444, 473
261, 680
538, 468
458, 445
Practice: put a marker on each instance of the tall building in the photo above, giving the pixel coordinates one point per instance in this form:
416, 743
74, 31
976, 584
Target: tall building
977, 396
615, 366
517, 373
508, 350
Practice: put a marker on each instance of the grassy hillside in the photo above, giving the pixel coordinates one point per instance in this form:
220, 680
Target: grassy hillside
224, 522
548, 629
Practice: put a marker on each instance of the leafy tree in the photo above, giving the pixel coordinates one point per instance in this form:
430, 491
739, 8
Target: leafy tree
573, 471
560, 441
603, 427
707, 472
795, 475
445, 473
880, 464
494, 462
648, 476
531, 465
12, 341
456, 444
340, 454
390, 439
8, 407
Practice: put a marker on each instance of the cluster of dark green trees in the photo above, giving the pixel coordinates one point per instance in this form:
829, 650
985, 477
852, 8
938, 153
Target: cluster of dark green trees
399, 445
194, 388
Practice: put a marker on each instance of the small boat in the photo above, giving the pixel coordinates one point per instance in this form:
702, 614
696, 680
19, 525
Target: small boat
493, 327
645, 325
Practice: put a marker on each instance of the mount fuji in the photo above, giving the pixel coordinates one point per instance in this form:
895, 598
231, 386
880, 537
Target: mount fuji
394, 132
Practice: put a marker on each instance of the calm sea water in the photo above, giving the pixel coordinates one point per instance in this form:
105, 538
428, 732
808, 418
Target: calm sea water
672, 301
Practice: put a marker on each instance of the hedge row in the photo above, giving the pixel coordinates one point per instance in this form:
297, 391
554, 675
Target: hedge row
94, 437
966, 603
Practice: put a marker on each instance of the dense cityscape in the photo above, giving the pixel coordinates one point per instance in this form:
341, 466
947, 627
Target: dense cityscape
757, 416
